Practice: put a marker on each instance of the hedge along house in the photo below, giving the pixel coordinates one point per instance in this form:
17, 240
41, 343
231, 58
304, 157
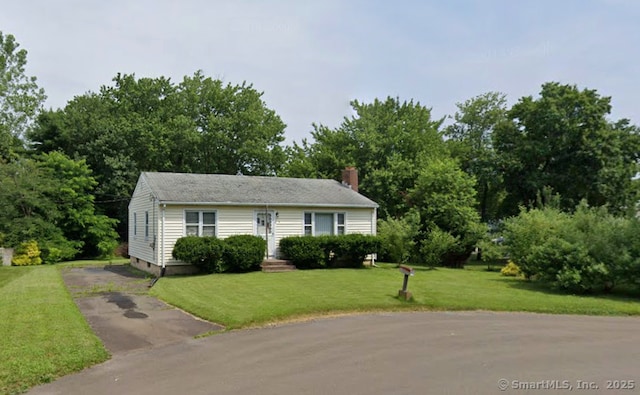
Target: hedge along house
167, 206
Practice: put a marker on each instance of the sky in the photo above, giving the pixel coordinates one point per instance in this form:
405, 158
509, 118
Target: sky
312, 58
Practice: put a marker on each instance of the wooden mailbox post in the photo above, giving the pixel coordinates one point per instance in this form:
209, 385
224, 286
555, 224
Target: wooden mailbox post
407, 271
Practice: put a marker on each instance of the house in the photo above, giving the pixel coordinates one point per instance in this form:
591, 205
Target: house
167, 206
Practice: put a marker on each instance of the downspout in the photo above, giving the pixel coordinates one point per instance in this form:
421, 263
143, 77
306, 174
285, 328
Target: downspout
374, 231
266, 227
162, 261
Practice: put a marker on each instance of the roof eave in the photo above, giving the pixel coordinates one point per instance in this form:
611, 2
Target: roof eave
238, 204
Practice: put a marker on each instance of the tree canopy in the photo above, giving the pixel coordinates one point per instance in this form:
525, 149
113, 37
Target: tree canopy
387, 141
20, 97
67, 174
564, 140
151, 124
470, 139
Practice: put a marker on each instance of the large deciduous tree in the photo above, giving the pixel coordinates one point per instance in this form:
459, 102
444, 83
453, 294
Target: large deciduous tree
388, 141
20, 97
151, 124
471, 142
564, 140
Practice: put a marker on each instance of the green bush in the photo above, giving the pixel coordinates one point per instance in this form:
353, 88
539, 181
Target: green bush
313, 252
54, 251
587, 251
304, 251
202, 252
527, 231
397, 238
27, 254
243, 253
444, 197
348, 250
436, 245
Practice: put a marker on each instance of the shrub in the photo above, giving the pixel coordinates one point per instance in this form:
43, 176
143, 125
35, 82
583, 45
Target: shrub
397, 237
27, 254
54, 251
434, 247
589, 250
243, 253
348, 250
202, 252
444, 196
313, 252
527, 231
510, 270
304, 251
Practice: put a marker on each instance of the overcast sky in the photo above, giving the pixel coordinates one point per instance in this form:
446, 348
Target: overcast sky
311, 58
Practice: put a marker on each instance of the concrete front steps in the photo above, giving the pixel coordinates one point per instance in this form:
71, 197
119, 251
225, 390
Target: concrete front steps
276, 265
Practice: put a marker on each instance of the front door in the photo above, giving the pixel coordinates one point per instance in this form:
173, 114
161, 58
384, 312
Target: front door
265, 228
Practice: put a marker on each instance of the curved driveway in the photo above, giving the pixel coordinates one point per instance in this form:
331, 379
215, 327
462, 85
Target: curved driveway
394, 353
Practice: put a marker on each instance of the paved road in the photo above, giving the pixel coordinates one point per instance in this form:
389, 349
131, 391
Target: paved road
401, 353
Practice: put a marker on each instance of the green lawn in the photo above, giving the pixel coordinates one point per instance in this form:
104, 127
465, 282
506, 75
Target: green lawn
241, 300
43, 335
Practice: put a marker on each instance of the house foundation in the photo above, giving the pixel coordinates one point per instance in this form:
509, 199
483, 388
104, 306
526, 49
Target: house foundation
155, 270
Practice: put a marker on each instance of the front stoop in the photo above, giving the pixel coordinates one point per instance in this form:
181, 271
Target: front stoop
277, 265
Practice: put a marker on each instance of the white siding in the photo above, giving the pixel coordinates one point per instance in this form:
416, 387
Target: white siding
229, 221
290, 221
235, 221
361, 221
141, 202
232, 220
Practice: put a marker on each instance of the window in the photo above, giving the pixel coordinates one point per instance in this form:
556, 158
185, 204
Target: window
146, 225
135, 224
317, 224
308, 224
200, 223
340, 226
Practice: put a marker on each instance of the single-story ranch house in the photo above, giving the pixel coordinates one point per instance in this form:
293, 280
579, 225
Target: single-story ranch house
167, 206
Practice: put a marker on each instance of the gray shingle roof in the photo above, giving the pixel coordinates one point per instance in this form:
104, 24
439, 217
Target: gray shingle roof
252, 190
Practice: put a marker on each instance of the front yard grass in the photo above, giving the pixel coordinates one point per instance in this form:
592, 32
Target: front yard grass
242, 300
43, 335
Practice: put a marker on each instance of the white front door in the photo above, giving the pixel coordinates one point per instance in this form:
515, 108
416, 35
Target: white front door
265, 225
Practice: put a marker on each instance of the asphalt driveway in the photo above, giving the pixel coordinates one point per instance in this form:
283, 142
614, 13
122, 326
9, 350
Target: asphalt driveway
395, 353
114, 300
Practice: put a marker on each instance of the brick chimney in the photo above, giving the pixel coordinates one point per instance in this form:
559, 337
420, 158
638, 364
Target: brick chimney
350, 177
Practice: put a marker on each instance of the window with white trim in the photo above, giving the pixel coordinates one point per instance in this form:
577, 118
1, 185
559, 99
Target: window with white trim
135, 225
340, 223
200, 223
146, 225
324, 223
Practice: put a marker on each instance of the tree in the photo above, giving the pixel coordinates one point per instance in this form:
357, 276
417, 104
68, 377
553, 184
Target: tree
27, 212
152, 124
471, 142
50, 200
20, 97
74, 198
239, 133
444, 195
388, 141
563, 140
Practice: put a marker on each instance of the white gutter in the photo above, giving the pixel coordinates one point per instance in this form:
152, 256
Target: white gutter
177, 203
